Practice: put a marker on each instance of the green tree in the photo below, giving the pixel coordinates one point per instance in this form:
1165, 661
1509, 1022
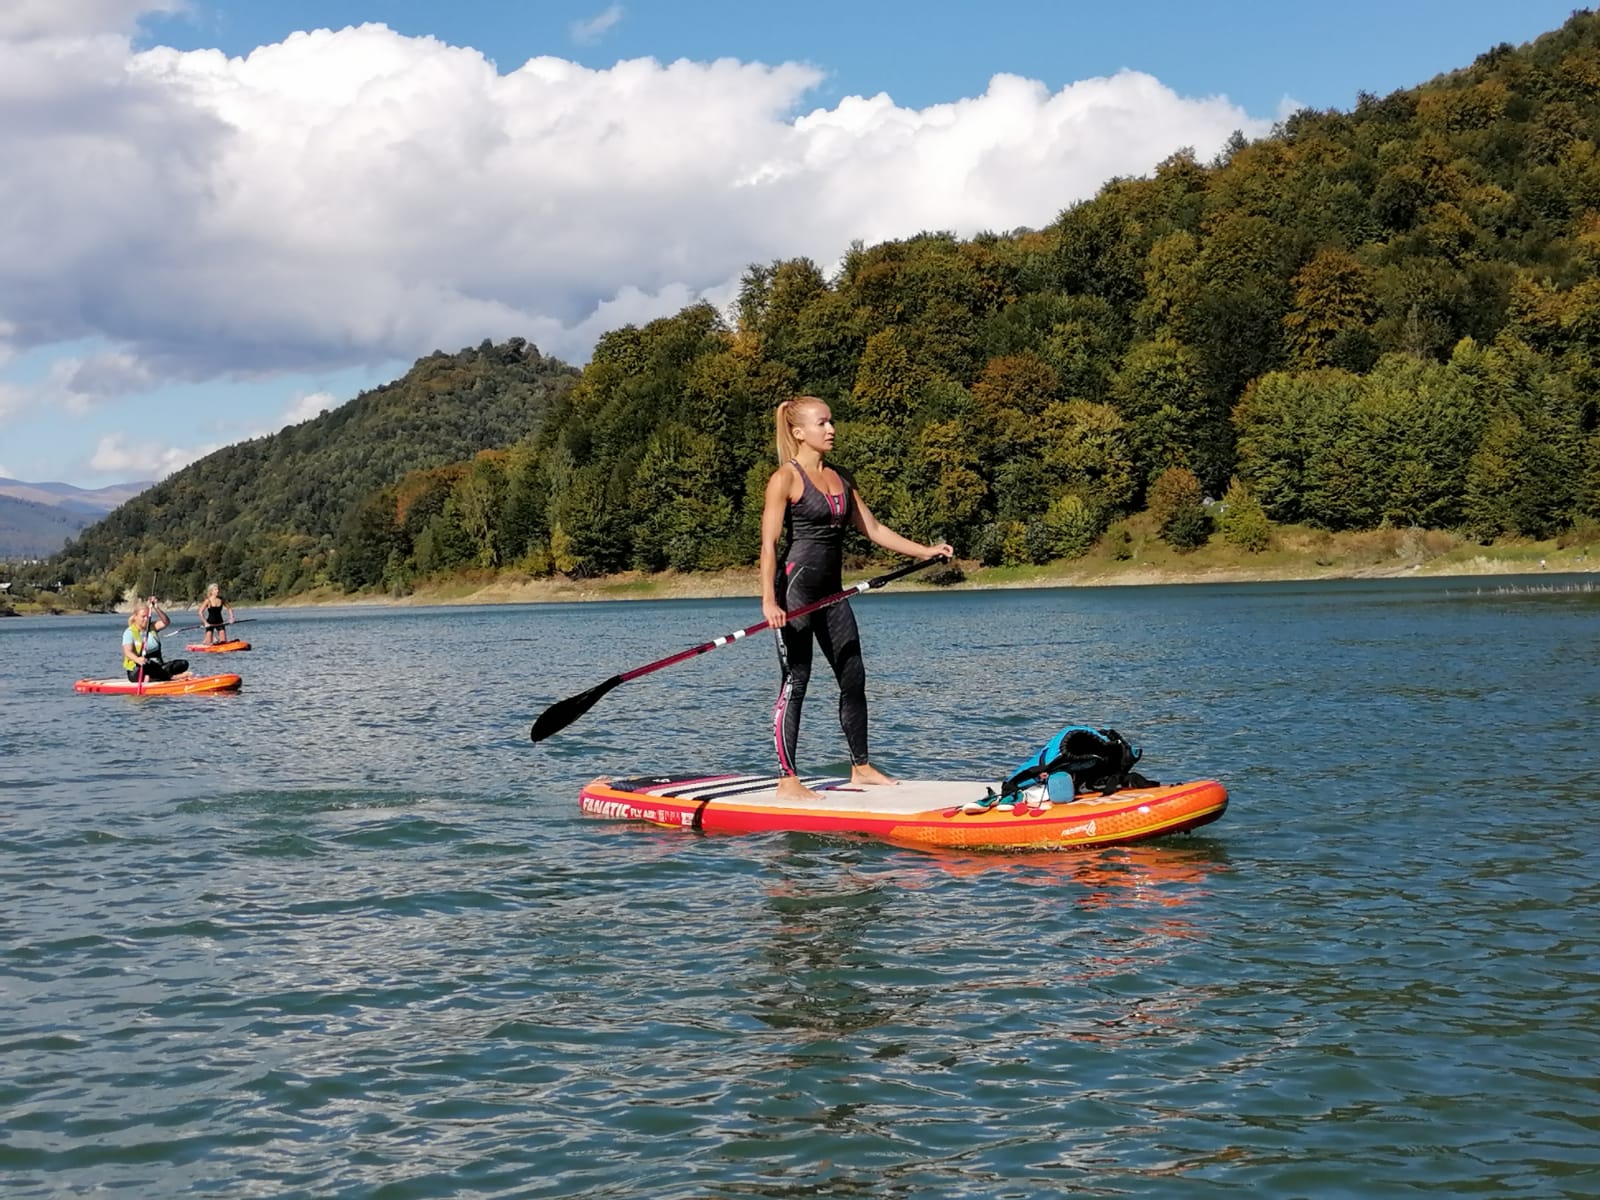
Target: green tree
1089, 454
523, 525
1071, 524
476, 504
367, 536
1160, 394
1084, 348
1172, 284
1284, 422
1099, 251
594, 516
1242, 520
682, 515
954, 482
1489, 506
1420, 424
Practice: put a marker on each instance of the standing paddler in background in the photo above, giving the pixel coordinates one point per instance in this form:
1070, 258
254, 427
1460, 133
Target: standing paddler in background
141, 646
212, 619
809, 507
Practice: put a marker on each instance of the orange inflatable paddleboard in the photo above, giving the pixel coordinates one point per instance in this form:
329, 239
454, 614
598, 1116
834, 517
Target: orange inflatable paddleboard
219, 647
926, 813
123, 686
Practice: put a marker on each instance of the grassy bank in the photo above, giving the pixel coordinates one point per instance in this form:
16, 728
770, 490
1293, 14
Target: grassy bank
1143, 559
1139, 559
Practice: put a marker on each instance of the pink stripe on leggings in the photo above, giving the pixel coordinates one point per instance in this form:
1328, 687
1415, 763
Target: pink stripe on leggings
778, 710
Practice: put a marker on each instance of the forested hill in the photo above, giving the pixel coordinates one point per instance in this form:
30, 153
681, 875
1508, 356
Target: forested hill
261, 517
1383, 316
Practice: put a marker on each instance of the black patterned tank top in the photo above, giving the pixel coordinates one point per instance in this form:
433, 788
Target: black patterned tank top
817, 520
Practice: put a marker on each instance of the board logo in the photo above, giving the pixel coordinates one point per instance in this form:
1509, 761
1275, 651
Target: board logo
615, 809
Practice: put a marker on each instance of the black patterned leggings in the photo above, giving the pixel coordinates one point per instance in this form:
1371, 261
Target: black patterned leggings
834, 630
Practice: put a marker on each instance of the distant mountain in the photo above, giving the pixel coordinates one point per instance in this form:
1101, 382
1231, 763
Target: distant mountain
94, 501
29, 530
38, 519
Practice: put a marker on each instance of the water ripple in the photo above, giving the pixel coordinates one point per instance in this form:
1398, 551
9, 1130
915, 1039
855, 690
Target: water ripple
358, 943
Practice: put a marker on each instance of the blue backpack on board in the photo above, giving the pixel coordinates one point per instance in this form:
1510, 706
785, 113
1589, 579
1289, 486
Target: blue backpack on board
1079, 759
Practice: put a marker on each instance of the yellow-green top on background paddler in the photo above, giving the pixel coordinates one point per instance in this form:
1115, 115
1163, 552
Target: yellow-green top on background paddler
141, 647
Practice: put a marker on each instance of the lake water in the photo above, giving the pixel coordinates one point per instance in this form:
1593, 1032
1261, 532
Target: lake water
344, 934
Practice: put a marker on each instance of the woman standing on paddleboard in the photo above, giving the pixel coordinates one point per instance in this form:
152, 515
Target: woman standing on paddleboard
215, 616
809, 507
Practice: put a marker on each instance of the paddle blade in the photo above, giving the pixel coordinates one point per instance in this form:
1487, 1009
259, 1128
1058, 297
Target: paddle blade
564, 712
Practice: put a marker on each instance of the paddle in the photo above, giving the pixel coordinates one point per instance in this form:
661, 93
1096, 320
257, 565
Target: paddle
144, 642
186, 628
564, 712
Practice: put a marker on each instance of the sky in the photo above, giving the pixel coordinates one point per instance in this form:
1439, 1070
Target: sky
221, 217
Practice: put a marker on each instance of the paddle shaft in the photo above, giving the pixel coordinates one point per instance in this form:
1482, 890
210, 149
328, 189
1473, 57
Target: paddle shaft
825, 602
564, 712
144, 648
186, 628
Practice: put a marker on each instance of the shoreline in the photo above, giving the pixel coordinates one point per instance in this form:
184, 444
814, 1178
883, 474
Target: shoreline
515, 588
1300, 557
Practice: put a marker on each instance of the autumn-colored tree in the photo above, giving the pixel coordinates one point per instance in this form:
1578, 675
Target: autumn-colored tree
1332, 297
887, 382
1009, 400
1177, 504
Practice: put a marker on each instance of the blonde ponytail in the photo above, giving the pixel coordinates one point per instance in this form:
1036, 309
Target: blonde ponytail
788, 444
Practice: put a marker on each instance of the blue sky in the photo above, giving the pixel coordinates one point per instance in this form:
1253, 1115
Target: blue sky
283, 217
1255, 51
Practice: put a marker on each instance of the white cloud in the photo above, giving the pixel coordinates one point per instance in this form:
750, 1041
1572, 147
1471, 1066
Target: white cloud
55, 18
596, 27
105, 376
307, 405
75, 385
355, 197
143, 460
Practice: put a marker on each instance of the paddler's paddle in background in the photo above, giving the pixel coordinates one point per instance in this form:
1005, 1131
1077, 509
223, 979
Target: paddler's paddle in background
564, 712
186, 628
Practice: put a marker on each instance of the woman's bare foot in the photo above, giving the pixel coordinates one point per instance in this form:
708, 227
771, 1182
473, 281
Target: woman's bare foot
790, 788
869, 774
